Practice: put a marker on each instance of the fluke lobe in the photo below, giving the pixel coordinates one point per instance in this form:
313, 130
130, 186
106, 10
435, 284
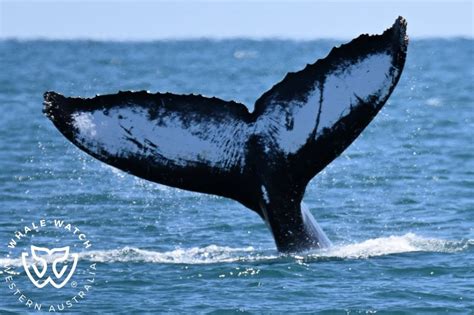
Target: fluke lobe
263, 159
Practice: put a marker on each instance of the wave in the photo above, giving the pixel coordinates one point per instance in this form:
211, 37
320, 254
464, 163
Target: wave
222, 254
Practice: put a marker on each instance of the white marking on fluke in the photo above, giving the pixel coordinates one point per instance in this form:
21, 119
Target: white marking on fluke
265, 195
125, 132
299, 116
342, 87
83, 121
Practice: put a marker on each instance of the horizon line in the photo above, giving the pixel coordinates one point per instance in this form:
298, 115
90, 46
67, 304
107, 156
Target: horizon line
213, 38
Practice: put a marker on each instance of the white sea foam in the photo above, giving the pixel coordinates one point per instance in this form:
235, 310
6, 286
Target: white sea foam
194, 255
212, 254
245, 54
382, 246
434, 101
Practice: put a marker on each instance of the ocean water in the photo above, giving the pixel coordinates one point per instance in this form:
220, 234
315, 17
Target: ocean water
398, 204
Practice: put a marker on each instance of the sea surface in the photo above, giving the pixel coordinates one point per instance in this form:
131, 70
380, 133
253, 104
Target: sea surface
398, 204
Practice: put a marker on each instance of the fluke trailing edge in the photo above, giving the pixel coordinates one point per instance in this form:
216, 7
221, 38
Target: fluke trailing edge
262, 159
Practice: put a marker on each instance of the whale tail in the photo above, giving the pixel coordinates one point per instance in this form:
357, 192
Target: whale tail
262, 159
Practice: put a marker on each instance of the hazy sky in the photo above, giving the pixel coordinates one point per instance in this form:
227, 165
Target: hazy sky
147, 20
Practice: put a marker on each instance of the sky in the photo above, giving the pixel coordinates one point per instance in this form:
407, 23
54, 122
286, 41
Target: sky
181, 19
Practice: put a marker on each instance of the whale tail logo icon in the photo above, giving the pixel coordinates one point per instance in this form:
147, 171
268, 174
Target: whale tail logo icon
41, 257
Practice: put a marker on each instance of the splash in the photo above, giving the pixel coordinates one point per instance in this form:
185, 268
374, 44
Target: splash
213, 254
382, 246
194, 255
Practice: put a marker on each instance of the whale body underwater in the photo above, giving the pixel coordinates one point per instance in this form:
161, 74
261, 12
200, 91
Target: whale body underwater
263, 159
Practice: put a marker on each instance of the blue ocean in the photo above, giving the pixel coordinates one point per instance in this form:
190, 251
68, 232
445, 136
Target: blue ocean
398, 204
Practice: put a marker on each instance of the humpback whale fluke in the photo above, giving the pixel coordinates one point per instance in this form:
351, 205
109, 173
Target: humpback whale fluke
263, 159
